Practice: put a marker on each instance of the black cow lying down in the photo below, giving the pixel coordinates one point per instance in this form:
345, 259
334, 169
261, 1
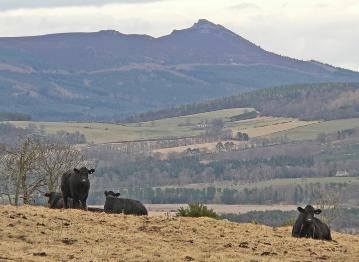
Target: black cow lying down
56, 201
307, 225
117, 205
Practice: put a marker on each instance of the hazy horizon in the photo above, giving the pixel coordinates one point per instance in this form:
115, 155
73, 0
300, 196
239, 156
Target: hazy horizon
321, 30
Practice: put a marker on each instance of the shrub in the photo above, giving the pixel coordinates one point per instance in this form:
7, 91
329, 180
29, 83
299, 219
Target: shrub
196, 210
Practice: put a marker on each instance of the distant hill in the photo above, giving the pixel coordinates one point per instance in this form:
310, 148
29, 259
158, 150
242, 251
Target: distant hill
305, 101
5, 116
107, 75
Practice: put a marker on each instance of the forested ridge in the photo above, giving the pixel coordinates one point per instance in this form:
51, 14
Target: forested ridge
8, 116
305, 101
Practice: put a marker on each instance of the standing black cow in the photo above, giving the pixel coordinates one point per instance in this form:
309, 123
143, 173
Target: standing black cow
114, 204
307, 225
76, 185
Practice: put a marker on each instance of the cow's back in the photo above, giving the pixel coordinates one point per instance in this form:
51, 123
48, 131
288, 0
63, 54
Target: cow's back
57, 203
124, 205
65, 183
322, 230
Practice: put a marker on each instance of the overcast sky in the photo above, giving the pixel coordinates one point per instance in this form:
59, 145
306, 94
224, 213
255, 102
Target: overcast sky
324, 30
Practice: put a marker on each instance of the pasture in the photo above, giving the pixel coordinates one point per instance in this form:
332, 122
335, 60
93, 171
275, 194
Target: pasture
164, 128
262, 126
312, 130
202, 147
274, 182
40, 234
183, 126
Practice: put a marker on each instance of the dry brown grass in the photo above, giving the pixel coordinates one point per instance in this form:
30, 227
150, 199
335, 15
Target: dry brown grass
211, 147
275, 128
40, 234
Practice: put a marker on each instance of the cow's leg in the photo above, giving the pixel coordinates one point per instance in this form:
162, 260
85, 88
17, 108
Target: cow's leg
65, 201
75, 201
83, 203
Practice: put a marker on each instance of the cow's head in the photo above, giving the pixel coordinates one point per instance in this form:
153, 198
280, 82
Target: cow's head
111, 194
308, 213
83, 173
48, 194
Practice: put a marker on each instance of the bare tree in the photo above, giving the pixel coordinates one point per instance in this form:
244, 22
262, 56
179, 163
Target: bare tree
55, 158
229, 146
219, 146
33, 165
7, 186
19, 171
328, 200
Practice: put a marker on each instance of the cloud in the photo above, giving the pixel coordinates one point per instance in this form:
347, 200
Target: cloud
243, 6
25, 4
321, 5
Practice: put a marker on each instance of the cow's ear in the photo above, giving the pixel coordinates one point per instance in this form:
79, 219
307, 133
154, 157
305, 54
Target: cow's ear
301, 210
76, 170
91, 171
47, 194
317, 211
117, 194
106, 193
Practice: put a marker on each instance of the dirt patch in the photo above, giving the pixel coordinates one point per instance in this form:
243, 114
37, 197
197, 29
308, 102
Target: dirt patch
108, 237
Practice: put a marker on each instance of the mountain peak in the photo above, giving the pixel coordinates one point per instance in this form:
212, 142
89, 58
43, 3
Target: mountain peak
205, 26
110, 32
204, 23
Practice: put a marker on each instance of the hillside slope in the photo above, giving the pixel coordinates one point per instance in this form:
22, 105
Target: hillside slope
105, 75
39, 234
305, 101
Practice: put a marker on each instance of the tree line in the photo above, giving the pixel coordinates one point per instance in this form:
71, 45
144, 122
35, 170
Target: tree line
305, 101
11, 116
154, 171
274, 194
10, 133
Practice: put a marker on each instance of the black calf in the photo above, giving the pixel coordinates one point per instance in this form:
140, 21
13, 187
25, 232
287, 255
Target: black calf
56, 200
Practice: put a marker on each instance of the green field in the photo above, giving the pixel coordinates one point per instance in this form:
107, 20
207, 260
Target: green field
312, 131
164, 128
183, 126
275, 182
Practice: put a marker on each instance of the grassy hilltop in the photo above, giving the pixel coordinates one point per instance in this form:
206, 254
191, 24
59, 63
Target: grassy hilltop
40, 234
